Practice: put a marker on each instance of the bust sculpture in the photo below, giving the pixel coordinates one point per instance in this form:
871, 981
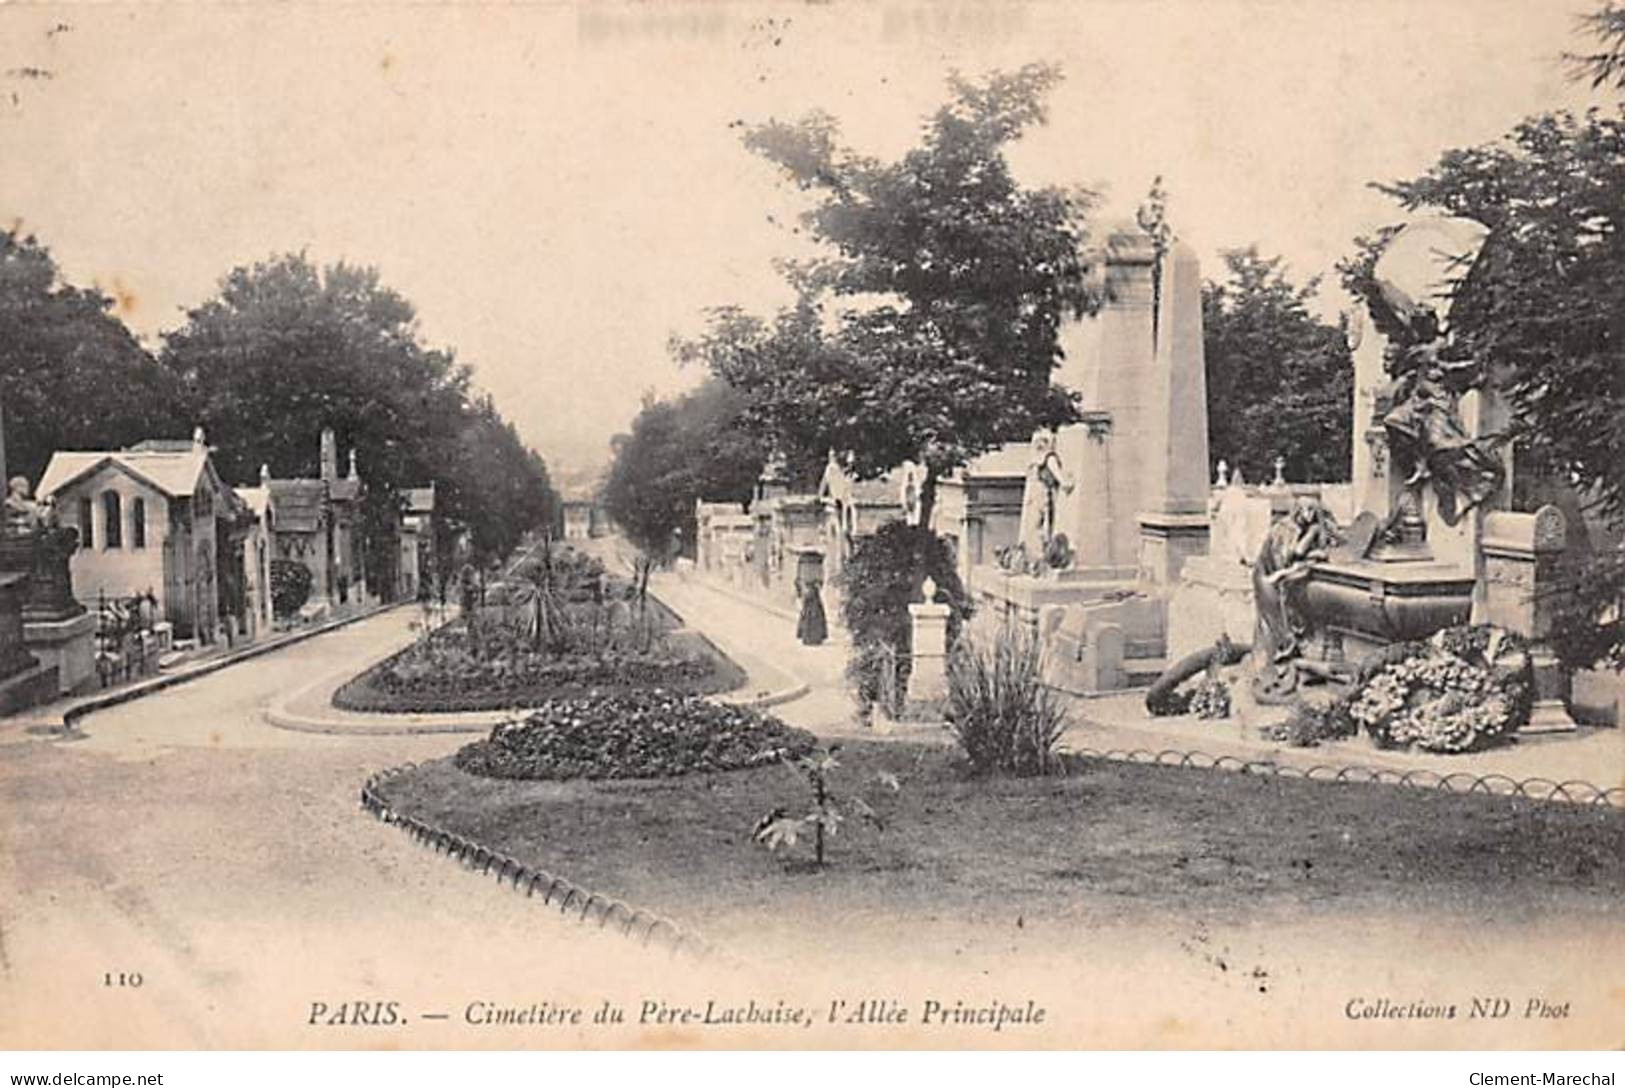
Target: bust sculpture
31, 541
24, 515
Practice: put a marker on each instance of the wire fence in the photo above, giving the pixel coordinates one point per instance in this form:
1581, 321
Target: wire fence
570, 899
1572, 791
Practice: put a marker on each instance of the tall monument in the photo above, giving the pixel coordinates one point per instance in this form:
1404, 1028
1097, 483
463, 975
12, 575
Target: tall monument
1127, 485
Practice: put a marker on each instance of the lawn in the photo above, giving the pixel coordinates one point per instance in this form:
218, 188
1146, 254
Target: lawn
1110, 842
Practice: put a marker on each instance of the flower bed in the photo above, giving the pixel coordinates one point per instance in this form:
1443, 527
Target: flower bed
489, 665
642, 734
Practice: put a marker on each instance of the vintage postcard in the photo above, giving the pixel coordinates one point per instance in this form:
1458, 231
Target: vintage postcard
897, 525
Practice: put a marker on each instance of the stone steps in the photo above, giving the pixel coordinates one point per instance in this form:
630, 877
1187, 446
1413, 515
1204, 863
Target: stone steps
1141, 672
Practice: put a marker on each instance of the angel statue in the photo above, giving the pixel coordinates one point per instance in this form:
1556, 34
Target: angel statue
1419, 407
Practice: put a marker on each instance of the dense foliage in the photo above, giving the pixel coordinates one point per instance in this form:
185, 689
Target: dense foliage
286, 349
639, 734
1279, 381
928, 329
71, 374
879, 581
290, 586
679, 451
1544, 306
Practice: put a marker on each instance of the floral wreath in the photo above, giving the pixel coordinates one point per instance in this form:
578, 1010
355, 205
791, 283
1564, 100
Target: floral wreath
1459, 691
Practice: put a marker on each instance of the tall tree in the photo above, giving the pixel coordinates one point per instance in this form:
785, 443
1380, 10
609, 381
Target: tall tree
927, 330
72, 376
286, 349
1605, 61
1279, 381
679, 451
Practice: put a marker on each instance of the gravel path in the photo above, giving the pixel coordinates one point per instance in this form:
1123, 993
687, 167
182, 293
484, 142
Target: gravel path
228, 864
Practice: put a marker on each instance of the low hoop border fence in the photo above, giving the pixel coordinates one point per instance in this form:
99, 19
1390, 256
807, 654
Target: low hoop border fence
569, 898
1544, 790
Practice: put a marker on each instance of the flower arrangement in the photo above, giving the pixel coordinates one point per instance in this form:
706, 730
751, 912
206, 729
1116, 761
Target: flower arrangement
1211, 699
1460, 691
1310, 725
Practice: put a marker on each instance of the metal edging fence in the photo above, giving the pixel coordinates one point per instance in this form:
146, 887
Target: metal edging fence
1571, 791
571, 900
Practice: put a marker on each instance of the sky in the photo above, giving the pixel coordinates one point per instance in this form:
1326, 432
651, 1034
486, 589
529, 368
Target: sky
561, 188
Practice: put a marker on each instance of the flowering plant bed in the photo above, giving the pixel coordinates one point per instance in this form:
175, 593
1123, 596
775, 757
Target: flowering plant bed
636, 734
485, 665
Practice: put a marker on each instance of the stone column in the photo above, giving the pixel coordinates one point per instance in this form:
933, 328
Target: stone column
1369, 471
928, 670
1174, 491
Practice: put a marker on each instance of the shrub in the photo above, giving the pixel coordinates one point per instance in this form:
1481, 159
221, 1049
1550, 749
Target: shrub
1003, 715
290, 586
879, 581
780, 827
574, 575
646, 734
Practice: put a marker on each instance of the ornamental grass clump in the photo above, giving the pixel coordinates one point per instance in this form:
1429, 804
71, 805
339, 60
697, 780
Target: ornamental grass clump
999, 708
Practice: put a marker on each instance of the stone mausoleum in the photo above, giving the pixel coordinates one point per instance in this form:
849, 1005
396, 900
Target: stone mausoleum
156, 519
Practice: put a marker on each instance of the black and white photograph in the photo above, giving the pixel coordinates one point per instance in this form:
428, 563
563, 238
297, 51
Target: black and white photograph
822, 525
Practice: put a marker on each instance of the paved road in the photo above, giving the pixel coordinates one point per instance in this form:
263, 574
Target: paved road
228, 864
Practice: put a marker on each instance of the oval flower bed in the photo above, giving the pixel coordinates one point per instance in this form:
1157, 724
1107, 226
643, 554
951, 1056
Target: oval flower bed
450, 671
636, 734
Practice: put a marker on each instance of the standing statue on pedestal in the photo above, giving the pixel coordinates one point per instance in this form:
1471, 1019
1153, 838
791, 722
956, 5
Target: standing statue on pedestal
1041, 546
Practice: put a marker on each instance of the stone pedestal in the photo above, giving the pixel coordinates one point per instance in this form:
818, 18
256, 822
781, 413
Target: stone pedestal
1521, 556
14, 655
1167, 542
1214, 599
928, 668
43, 556
69, 644
25, 681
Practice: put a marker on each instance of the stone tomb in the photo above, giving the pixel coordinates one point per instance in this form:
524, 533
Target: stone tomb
1413, 568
